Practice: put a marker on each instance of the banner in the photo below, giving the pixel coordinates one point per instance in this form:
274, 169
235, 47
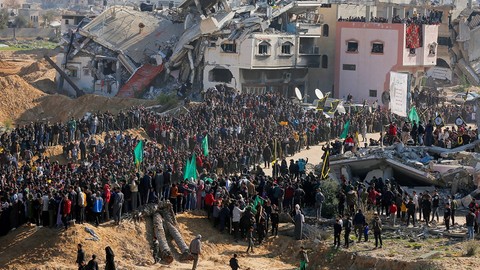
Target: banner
399, 84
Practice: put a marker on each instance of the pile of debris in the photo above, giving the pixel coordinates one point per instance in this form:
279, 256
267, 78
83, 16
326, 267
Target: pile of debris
417, 165
123, 51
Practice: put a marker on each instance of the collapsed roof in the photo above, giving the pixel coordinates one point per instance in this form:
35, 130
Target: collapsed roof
175, 39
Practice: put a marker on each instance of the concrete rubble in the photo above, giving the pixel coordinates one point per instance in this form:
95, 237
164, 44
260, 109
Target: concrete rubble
123, 51
458, 171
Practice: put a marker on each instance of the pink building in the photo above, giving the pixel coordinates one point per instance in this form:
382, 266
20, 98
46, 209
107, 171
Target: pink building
367, 52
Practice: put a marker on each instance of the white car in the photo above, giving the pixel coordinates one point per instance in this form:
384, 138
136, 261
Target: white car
463, 97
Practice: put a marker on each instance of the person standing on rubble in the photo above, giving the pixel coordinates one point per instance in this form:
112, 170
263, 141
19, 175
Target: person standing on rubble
377, 230
319, 199
348, 228
435, 205
453, 207
470, 221
446, 216
337, 231
426, 207
359, 223
411, 211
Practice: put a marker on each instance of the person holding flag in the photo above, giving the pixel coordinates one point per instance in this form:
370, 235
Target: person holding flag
326, 161
205, 145
138, 154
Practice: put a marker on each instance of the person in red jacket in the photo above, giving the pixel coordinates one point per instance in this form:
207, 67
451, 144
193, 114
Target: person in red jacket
107, 194
66, 209
372, 198
393, 212
209, 200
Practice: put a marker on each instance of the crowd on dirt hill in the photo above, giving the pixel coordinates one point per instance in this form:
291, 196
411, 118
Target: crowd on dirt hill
100, 181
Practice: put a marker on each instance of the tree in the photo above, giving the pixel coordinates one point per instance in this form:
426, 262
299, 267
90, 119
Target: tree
3, 18
48, 17
21, 22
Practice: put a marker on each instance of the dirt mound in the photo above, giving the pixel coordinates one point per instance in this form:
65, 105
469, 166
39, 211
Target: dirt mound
60, 108
34, 67
8, 68
6, 65
16, 96
44, 248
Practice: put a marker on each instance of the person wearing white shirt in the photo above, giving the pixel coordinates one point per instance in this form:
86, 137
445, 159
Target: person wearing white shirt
236, 215
45, 200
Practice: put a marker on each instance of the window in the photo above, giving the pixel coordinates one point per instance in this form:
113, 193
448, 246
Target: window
372, 93
229, 47
73, 73
263, 48
377, 47
86, 72
444, 41
325, 30
286, 48
324, 61
349, 67
352, 46
67, 22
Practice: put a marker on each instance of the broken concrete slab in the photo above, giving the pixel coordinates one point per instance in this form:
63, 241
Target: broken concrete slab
430, 255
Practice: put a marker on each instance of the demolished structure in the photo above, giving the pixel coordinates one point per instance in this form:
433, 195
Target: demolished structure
455, 169
254, 47
466, 50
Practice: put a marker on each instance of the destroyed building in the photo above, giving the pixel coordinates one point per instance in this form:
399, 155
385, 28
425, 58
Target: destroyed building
253, 48
466, 50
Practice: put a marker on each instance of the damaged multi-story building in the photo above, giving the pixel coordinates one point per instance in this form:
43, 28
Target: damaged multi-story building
466, 49
251, 47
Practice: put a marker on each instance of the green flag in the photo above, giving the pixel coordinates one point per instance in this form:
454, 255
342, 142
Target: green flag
138, 153
191, 168
345, 130
205, 145
413, 115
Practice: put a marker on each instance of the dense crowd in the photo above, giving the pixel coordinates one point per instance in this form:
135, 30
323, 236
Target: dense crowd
100, 179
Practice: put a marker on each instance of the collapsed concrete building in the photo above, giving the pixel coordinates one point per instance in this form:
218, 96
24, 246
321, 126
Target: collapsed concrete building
251, 47
456, 169
466, 50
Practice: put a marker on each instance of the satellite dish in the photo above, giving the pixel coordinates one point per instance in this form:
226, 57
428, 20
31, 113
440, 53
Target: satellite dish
298, 93
318, 93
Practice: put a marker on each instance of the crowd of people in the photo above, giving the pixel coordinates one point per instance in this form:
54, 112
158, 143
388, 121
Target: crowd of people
100, 180
431, 18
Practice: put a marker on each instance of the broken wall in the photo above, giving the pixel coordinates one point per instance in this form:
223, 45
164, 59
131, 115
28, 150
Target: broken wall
78, 71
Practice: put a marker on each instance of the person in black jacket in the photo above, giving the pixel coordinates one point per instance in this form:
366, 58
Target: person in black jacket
470, 220
80, 257
234, 262
337, 231
410, 212
446, 216
110, 259
92, 264
145, 187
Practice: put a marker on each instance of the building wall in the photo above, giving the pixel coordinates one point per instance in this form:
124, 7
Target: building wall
422, 56
371, 70
474, 44
247, 57
323, 78
83, 77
